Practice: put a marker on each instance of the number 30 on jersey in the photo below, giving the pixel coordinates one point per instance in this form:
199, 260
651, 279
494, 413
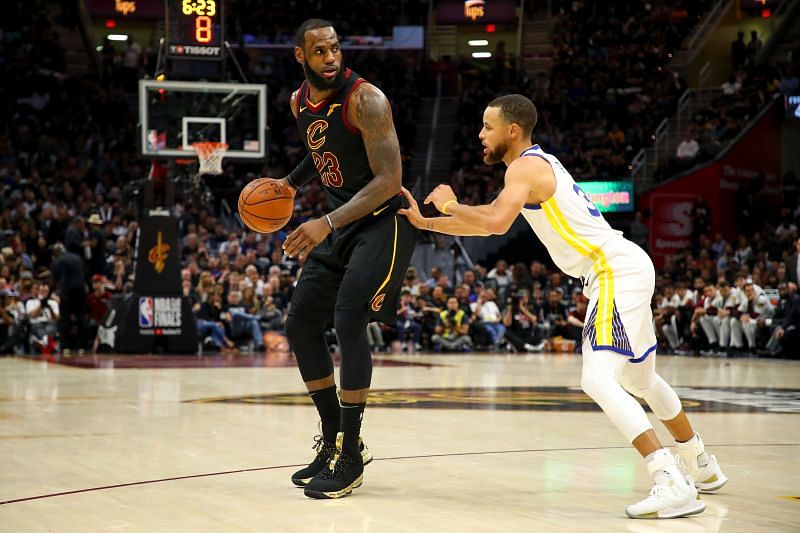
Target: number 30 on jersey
589, 205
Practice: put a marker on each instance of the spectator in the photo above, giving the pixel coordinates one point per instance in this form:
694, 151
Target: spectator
210, 327
738, 52
97, 245
451, 329
99, 303
688, 148
12, 316
42, 312
753, 48
242, 325
68, 272
793, 265
409, 327
754, 318
522, 324
487, 318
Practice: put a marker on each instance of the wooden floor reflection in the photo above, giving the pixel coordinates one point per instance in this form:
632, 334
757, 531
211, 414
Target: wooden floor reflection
462, 443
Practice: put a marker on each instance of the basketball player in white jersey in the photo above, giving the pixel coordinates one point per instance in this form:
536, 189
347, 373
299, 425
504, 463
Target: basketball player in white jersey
619, 340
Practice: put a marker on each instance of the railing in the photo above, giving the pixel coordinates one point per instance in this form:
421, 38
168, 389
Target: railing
704, 74
683, 104
660, 140
638, 164
700, 33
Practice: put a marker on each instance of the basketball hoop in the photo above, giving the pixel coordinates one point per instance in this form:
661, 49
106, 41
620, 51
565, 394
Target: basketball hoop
210, 155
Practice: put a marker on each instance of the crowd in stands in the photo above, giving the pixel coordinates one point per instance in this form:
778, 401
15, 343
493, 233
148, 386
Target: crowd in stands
748, 89
67, 150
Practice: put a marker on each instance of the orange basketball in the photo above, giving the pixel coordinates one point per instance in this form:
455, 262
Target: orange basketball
265, 205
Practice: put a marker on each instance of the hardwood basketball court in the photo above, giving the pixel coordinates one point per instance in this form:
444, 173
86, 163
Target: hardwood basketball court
461, 443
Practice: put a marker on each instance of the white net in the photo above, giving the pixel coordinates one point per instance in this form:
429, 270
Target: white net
210, 155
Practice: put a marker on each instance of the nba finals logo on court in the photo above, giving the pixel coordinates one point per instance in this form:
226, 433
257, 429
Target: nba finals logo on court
314, 130
377, 302
158, 254
146, 312
474, 9
703, 400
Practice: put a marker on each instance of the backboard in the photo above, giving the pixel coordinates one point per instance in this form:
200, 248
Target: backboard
174, 114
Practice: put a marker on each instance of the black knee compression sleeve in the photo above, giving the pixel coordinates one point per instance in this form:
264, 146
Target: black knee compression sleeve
351, 329
307, 338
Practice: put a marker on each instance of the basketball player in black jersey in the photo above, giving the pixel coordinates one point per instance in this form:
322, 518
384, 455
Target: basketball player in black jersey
356, 256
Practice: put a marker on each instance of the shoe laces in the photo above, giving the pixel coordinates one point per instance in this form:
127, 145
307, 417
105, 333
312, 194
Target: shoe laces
322, 447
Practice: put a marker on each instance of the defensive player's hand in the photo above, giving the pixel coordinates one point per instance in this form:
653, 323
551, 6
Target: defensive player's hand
302, 240
412, 213
440, 196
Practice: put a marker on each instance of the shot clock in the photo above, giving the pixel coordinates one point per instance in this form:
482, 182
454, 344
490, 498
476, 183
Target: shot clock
194, 29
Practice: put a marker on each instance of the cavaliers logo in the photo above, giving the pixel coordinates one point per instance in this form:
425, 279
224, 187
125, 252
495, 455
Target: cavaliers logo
377, 302
315, 134
701, 400
158, 254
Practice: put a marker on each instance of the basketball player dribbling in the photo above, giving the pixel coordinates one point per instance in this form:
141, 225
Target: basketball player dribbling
619, 341
356, 256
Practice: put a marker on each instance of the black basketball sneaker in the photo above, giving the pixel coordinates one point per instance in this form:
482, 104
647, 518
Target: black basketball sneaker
344, 473
325, 453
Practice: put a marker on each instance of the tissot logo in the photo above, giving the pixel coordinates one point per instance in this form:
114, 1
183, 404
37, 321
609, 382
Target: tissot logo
314, 134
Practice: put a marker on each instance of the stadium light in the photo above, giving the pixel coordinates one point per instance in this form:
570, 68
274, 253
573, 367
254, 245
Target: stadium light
117, 37
481, 55
478, 42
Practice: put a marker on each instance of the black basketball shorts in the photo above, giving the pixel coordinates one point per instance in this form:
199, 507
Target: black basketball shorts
362, 270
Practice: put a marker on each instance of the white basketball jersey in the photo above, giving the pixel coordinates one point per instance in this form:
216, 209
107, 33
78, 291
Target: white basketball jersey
568, 223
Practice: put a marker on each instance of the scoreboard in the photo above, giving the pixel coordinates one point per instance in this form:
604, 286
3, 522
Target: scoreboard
194, 29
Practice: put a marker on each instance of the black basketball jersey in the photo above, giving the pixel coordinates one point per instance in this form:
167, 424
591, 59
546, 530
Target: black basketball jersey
335, 145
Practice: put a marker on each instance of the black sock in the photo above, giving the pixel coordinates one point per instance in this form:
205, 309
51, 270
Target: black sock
352, 413
327, 403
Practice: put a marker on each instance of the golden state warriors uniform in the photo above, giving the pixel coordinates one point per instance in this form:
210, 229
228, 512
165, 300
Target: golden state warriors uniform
618, 276
361, 265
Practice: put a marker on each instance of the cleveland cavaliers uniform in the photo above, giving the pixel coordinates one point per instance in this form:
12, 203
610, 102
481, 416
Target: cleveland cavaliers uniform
365, 262
618, 276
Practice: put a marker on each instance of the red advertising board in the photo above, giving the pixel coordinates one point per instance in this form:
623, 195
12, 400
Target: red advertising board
758, 151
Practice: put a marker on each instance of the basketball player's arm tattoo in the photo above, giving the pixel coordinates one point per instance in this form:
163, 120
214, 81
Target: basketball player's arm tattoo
372, 115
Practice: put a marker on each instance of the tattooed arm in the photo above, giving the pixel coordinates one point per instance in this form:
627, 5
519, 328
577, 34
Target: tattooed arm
370, 112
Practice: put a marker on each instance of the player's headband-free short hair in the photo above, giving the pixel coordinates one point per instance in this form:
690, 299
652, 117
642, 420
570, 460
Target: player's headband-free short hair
308, 25
517, 109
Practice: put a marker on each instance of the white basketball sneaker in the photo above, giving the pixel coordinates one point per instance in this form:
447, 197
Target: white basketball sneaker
703, 468
672, 496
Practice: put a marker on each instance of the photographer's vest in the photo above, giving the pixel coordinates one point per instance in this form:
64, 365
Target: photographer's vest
458, 318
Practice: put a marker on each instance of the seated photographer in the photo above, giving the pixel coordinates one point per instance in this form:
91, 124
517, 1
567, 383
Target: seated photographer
43, 314
452, 328
408, 321
522, 324
555, 315
12, 322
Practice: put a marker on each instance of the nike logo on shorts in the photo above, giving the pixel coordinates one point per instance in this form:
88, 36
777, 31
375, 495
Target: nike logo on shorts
379, 211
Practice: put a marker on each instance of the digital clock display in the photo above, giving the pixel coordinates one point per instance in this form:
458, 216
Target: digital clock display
194, 28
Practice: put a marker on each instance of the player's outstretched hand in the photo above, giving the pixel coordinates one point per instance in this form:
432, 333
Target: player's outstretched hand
412, 213
302, 240
440, 196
